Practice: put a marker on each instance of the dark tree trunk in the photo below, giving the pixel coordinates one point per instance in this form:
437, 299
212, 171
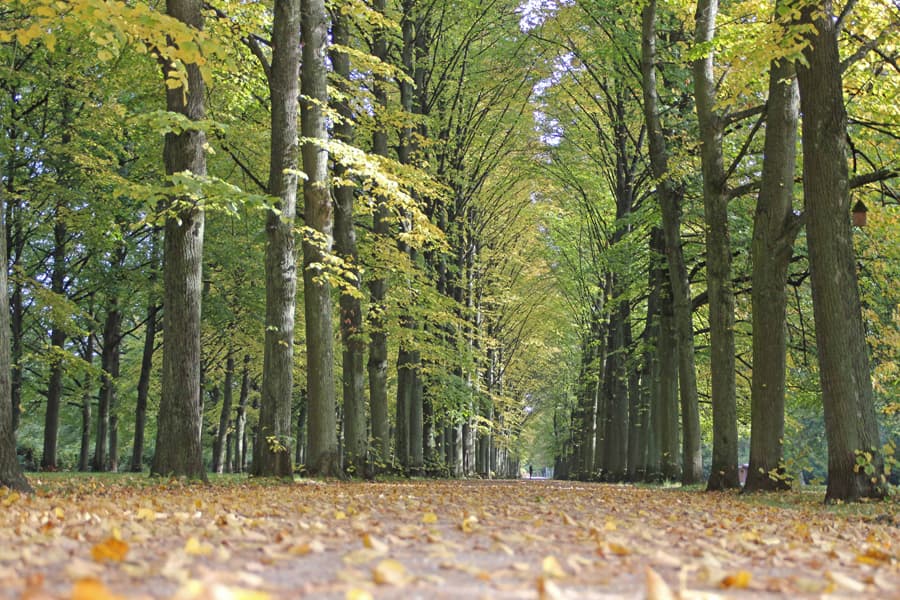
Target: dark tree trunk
87, 397
774, 228
57, 341
378, 354
353, 364
724, 469
300, 452
851, 428
220, 447
272, 456
240, 421
670, 199
668, 391
178, 448
650, 373
10, 471
324, 459
143, 389
109, 362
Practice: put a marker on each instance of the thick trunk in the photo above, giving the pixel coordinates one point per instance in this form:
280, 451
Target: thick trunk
378, 354
300, 452
851, 428
10, 472
650, 388
143, 389
724, 469
774, 229
670, 198
84, 456
668, 393
616, 436
272, 456
352, 338
220, 446
324, 459
178, 448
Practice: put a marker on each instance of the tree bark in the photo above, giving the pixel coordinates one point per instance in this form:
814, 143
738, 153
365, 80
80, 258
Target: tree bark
221, 446
851, 428
109, 362
240, 422
774, 228
351, 322
57, 341
84, 456
10, 471
272, 455
324, 459
724, 469
178, 448
143, 389
378, 353
670, 197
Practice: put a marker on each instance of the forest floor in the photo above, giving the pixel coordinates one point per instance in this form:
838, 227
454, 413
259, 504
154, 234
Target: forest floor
130, 536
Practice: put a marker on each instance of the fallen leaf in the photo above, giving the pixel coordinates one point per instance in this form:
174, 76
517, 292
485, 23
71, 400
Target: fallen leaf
92, 589
374, 543
390, 572
551, 568
739, 580
358, 594
547, 590
195, 547
111, 549
429, 518
469, 524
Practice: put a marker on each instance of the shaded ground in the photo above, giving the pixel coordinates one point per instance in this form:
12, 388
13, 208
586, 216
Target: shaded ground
135, 537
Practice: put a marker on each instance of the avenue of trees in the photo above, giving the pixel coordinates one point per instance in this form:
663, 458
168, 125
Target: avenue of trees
452, 239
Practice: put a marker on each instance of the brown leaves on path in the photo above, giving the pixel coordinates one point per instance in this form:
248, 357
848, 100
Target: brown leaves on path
132, 537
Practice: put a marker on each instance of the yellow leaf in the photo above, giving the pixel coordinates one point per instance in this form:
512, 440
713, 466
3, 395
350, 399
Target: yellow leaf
547, 590
339, 514
469, 524
374, 543
551, 568
618, 549
11, 498
195, 547
741, 579
145, 514
92, 589
44, 11
390, 572
610, 526
111, 549
104, 55
429, 518
358, 594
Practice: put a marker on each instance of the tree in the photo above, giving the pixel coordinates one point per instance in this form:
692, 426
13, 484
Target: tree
774, 228
670, 199
724, 469
10, 471
178, 449
272, 453
317, 242
855, 462
352, 336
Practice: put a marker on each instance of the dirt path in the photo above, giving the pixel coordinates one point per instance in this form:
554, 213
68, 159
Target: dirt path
97, 538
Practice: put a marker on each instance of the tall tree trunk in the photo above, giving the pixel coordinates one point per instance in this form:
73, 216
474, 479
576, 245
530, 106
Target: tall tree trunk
57, 341
324, 459
670, 198
851, 428
87, 397
10, 471
240, 422
300, 452
220, 446
650, 381
109, 362
178, 448
668, 392
143, 389
774, 228
353, 364
272, 456
724, 469
378, 354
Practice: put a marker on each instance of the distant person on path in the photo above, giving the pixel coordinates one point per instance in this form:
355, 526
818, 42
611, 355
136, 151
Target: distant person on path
530, 472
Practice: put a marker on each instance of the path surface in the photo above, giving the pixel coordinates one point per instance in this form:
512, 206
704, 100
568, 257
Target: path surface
101, 538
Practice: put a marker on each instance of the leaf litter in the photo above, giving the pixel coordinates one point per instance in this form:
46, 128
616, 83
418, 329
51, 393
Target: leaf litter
100, 538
